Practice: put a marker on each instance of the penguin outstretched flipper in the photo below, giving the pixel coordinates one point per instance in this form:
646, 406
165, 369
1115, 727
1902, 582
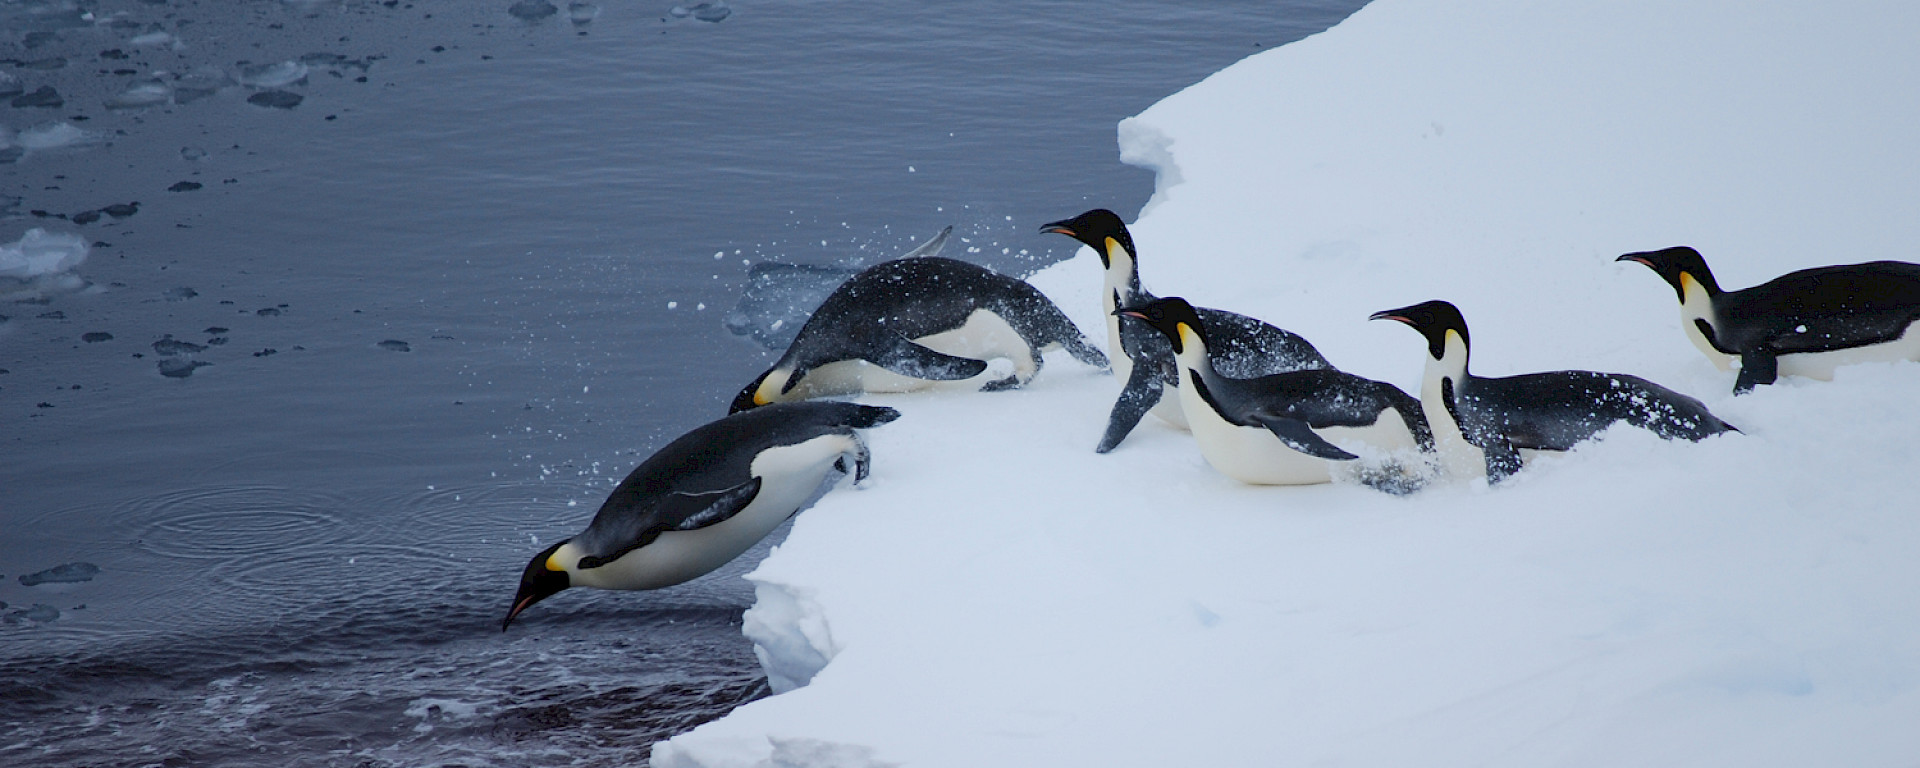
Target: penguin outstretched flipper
1296, 434
699, 510
1757, 367
1142, 393
677, 511
901, 355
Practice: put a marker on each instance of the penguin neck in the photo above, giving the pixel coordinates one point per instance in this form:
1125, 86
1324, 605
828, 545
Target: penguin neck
1120, 288
1193, 356
567, 558
1696, 307
1447, 375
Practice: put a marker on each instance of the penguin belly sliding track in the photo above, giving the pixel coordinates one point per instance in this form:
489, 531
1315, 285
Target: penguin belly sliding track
1242, 347
1803, 323
1553, 411
1282, 429
911, 323
706, 497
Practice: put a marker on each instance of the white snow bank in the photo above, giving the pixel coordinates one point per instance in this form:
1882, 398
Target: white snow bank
1000, 595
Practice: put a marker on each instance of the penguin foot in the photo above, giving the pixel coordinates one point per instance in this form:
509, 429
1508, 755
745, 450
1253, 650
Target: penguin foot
1001, 385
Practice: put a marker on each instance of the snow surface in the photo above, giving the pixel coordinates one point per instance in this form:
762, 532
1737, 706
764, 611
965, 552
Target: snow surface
1000, 595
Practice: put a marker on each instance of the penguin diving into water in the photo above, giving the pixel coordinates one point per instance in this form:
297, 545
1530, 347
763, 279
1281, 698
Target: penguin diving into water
1242, 347
1282, 428
1497, 418
908, 324
706, 497
1803, 323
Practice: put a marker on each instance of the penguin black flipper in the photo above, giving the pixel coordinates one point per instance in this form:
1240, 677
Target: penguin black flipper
1141, 394
901, 355
699, 510
1298, 435
1757, 367
678, 511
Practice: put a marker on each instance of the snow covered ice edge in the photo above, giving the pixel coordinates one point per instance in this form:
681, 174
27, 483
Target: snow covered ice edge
998, 594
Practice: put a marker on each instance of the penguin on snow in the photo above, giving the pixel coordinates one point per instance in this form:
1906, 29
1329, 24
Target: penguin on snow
1242, 347
1280, 429
1802, 323
706, 497
1497, 418
907, 324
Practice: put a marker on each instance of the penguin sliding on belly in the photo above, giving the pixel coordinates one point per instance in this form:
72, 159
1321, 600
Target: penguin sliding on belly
1281, 429
1553, 411
707, 497
1802, 323
910, 323
1242, 347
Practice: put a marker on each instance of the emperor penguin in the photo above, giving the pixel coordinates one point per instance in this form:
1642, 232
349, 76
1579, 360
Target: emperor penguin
1243, 347
1803, 323
1484, 424
1284, 428
908, 324
706, 497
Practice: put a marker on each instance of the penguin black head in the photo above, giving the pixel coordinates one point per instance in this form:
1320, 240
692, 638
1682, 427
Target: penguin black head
754, 395
539, 582
1675, 265
1093, 229
1433, 319
1166, 316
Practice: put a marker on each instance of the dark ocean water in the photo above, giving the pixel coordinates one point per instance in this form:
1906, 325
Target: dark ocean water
444, 302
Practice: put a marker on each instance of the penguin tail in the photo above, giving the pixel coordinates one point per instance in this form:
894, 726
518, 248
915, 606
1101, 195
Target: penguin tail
869, 416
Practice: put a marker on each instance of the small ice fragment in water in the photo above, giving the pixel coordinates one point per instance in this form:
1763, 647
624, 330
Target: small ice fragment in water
713, 12
121, 210
180, 294
272, 75
673, 305
276, 99
58, 135
532, 10
396, 345
214, 330
582, 13
151, 40
267, 312
96, 337
40, 612
66, 573
176, 368
142, 95
266, 352
193, 154
184, 186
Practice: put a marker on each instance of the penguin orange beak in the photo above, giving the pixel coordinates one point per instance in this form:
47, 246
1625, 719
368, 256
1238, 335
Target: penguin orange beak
1634, 258
1134, 313
1389, 315
1059, 228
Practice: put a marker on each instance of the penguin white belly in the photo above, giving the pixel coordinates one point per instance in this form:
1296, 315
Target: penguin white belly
1248, 454
1458, 458
984, 336
1820, 365
792, 477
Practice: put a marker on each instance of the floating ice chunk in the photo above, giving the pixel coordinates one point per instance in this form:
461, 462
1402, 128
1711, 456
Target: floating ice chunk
155, 39
44, 96
40, 612
532, 10
176, 368
140, 96
396, 345
712, 12
41, 253
199, 84
193, 154
60, 135
171, 346
96, 337
274, 75
65, 573
582, 14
